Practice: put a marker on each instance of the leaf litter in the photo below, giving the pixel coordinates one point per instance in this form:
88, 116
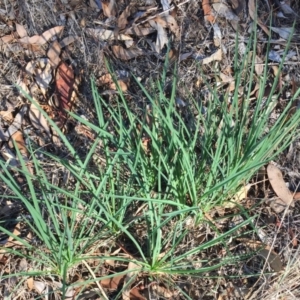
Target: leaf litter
51, 77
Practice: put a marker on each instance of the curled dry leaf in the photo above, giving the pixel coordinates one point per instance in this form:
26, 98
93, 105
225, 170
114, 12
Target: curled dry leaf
106, 34
126, 54
280, 188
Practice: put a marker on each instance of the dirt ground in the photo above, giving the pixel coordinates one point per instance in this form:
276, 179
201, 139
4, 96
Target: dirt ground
42, 41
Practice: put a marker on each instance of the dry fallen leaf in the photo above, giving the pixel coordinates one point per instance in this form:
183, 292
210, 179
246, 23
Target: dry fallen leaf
9, 157
107, 79
253, 14
109, 8
265, 251
126, 54
140, 31
17, 123
42, 39
280, 188
162, 37
30, 284
123, 18
105, 34
64, 87
112, 283
208, 12
284, 32
54, 54
41, 70
167, 21
259, 66
217, 56
165, 4
129, 279
38, 120
40, 286
224, 10
67, 41
20, 143
21, 30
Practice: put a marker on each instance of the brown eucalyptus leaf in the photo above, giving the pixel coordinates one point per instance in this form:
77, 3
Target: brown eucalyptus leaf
284, 32
126, 291
21, 30
162, 37
126, 54
224, 10
280, 188
38, 120
20, 143
17, 123
252, 5
109, 8
106, 34
266, 252
216, 56
139, 31
167, 21
42, 39
67, 41
112, 283
123, 18
54, 54
272, 258
165, 4
7, 39
44, 75
3, 136
9, 156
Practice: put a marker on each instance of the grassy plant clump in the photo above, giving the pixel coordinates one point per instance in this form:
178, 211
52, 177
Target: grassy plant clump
160, 168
